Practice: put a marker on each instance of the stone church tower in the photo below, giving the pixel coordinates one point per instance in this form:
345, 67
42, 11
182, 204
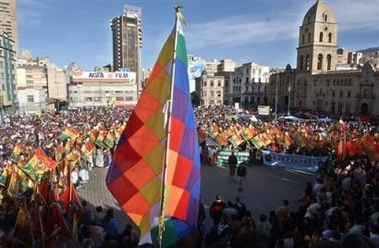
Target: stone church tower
317, 50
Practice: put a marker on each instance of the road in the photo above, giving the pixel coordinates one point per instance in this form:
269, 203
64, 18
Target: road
264, 189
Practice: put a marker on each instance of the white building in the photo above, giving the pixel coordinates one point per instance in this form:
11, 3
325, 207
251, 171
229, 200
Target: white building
97, 88
248, 85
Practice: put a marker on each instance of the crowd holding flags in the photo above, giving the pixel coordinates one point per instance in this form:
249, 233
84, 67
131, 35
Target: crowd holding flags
155, 173
37, 178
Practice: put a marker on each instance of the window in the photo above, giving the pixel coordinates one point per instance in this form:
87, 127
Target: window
301, 62
219, 83
211, 83
366, 93
309, 38
329, 62
319, 62
307, 63
349, 93
325, 17
30, 98
303, 39
341, 93
321, 36
330, 37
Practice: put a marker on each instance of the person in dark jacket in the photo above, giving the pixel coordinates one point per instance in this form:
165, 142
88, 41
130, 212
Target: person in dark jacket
232, 162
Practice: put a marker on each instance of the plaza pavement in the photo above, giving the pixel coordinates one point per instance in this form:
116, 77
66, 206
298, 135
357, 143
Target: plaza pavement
264, 189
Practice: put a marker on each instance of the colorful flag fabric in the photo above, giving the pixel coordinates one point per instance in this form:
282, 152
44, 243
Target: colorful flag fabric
236, 140
23, 229
109, 140
257, 141
58, 153
5, 175
248, 133
13, 185
38, 165
213, 131
100, 139
70, 133
16, 153
92, 135
160, 144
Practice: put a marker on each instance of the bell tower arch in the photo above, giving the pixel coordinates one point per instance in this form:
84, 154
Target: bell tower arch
317, 49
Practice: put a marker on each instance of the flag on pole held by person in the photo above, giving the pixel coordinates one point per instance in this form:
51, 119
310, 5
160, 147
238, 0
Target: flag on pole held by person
155, 171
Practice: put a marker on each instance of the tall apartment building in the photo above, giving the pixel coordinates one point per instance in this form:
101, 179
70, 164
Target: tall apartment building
127, 41
8, 21
8, 97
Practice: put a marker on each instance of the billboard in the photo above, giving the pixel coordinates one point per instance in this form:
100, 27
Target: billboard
128, 77
195, 68
263, 110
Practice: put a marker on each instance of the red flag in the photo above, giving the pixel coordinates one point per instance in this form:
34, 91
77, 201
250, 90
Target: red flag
56, 224
44, 191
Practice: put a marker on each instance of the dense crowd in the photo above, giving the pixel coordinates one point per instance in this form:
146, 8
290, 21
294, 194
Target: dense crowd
341, 207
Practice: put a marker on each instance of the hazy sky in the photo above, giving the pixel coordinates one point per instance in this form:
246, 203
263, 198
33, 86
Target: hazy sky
263, 31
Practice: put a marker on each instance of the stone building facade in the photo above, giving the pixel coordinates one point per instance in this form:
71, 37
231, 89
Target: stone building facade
316, 84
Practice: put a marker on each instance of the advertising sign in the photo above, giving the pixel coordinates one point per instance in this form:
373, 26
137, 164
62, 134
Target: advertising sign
263, 110
195, 68
129, 77
293, 161
223, 155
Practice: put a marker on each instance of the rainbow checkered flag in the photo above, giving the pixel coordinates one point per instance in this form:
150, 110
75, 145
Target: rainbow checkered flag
155, 171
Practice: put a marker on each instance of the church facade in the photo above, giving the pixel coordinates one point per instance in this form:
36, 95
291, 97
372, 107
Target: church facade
317, 84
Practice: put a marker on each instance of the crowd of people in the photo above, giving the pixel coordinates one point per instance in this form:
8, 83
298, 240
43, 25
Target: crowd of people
341, 207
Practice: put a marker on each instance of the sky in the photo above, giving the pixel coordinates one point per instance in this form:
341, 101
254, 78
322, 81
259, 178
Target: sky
261, 31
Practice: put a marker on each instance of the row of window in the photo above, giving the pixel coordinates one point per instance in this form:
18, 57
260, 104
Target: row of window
337, 82
321, 37
101, 91
333, 106
211, 93
98, 99
305, 63
212, 84
333, 93
30, 99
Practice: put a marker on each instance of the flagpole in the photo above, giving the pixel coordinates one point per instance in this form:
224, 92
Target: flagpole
161, 227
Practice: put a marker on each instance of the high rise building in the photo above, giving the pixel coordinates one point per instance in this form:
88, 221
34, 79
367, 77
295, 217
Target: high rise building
8, 21
8, 97
127, 41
